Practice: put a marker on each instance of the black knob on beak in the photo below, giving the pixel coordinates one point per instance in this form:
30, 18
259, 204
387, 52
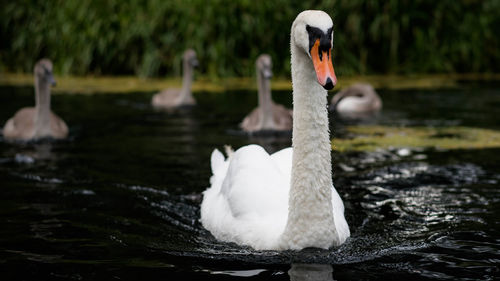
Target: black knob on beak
329, 84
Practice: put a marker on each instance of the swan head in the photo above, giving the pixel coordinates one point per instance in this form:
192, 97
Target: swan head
264, 66
312, 32
43, 72
190, 58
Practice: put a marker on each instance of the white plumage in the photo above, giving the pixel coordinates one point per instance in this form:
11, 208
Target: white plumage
285, 200
248, 200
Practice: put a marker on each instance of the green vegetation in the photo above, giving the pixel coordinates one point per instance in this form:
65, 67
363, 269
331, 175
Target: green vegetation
147, 37
368, 138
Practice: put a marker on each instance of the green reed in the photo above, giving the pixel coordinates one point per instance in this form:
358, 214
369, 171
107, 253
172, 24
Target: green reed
147, 38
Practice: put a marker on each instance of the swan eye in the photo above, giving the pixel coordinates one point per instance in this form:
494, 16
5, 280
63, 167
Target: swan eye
325, 39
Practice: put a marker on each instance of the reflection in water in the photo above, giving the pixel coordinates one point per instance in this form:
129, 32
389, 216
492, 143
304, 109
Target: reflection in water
29, 153
240, 273
311, 272
43, 151
272, 143
179, 126
364, 118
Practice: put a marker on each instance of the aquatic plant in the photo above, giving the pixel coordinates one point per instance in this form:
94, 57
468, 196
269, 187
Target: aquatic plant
368, 138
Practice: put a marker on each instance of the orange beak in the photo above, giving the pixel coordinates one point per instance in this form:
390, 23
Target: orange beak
323, 67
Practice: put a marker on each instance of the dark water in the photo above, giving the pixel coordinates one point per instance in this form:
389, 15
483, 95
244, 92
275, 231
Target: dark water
120, 199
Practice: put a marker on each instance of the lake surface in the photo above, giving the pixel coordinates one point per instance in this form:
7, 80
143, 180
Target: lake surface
120, 198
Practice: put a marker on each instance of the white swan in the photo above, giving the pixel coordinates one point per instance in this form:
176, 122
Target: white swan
285, 200
30, 123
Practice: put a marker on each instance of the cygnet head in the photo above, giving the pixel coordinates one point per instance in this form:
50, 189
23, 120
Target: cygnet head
190, 58
312, 31
43, 72
264, 66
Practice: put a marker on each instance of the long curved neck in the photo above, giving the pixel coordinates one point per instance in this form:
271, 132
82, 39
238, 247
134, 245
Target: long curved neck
310, 219
265, 102
42, 107
187, 81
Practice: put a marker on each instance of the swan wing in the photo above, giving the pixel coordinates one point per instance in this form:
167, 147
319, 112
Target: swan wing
254, 183
21, 125
247, 202
341, 225
283, 160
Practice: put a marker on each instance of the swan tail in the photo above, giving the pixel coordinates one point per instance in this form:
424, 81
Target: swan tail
217, 161
229, 150
219, 169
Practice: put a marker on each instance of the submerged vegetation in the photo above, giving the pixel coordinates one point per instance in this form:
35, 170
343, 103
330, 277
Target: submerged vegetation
369, 138
147, 38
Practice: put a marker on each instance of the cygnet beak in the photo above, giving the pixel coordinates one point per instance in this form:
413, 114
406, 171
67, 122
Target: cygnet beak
195, 63
267, 73
51, 80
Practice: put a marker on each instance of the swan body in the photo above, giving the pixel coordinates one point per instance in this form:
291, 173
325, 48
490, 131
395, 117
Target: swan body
285, 200
357, 99
268, 116
31, 123
172, 98
243, 208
